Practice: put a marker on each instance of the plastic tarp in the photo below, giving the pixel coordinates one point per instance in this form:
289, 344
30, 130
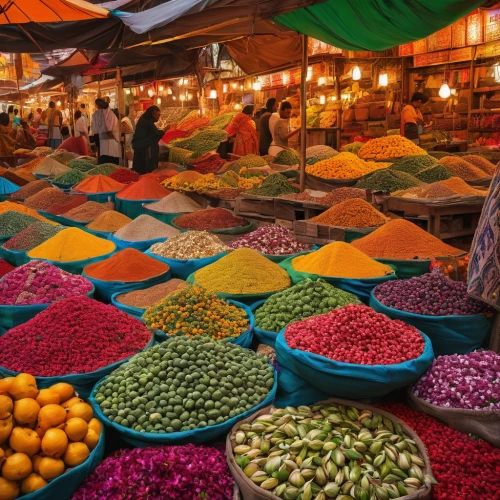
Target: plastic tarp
375, 24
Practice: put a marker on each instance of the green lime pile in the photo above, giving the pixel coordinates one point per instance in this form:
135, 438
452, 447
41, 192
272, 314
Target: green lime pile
70, 178
413, 164
185, 384
305, 299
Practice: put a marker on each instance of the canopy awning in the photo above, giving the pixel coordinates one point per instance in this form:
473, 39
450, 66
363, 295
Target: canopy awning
48, 11
74, 64
375, 24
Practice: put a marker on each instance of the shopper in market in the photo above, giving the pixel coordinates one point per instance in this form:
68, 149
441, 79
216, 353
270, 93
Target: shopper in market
145, 141
54, 122
24, 136
81, 128
7, 136
106, 130
17, 119
282, 131
266, 138
243, 128
10, 111
412, 121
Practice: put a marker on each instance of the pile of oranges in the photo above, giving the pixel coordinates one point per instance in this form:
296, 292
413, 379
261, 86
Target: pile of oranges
42, 434
389, 147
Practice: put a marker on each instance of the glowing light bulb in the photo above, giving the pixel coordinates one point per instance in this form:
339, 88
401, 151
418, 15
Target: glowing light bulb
151, 93
158, 101
356, 73
141, 88
182, 97
321, 80
169, 91
383, 80
241, 87
174, 98
234, 85
285, 78
127, 91
224, 88
257, 86
309, 73
58, 103
453, 91
444, 91
237, 106
213, 94
189, 96
322, 99
160, 88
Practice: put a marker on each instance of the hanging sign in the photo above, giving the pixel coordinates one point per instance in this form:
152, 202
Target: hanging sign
474, 28
491, 49
443, 56
439, 40
406, 50
459, 33
491, 25
420, 46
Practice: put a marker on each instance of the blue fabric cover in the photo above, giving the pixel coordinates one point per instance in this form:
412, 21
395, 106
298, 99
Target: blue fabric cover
264, 336
15, 257
11, 316
102, 197
206, 434
183, 268
448, 334
346, 380
138, 245
63, 487
105, 289
408, 268
136, 312
82, 382
362, 288
166, 218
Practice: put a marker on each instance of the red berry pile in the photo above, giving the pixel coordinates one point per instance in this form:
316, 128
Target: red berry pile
356, 334
75, 335
465, 469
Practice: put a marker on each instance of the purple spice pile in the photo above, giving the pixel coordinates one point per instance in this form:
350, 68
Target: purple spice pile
173, 472
432, 294
468, 381
272, 240
40, 283
32, 236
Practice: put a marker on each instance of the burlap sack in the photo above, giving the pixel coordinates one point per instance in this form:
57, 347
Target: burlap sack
250, 491
485, 423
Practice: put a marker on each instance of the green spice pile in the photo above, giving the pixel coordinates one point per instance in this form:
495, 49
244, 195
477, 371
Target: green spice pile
273, 185
82, 165
151, 296
248, 161
329, 451
190, 245
433, 174
287, 157
34, 235
307, 298
103, 169
388, 181
185, 384
12, 222
70, 178
413, 164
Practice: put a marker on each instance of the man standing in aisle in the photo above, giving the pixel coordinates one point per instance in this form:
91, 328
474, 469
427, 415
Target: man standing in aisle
266, 136
106, 129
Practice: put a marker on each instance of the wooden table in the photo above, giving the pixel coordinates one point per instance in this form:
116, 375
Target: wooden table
435, 213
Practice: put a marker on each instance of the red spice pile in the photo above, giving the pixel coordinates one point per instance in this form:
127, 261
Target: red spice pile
124, 176
127, 265
62, 208
75, 335
5, 267
356, 334
209, 163
211, 218
146, 188
466, 469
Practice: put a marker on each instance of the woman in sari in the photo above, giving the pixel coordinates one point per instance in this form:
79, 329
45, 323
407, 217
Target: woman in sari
243, 128
7, 136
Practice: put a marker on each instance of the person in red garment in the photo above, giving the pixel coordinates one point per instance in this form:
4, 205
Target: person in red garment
243, 128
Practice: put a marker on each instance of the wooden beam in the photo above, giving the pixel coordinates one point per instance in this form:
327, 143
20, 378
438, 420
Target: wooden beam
303, 109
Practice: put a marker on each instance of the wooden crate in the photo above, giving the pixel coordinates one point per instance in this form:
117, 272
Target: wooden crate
293, 210
249, 206
316, 233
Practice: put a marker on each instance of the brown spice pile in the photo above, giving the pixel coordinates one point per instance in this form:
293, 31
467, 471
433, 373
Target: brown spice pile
109, 221
462, 168
151, 296
329, 199
351, 213
482, 163
32, 188
88, 212
46, 198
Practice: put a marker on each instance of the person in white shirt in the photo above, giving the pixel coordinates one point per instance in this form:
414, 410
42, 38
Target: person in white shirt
281, 129
106, 127
81, 129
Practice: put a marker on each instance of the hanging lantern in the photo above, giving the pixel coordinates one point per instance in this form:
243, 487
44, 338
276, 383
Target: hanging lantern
321, 80
158, 101
234, 85
182, 97
169, 91
151, 92
160, 88
356, 73
383, 80
257, 86
285, 78
444, 91
213, 94
189, 97
127, 91
309, 74
242, 87
322, 99
141, 88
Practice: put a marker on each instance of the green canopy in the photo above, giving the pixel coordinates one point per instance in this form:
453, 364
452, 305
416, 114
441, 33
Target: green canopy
375, 24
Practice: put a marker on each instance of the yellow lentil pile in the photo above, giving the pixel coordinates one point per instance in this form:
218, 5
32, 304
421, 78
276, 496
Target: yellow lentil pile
244, 272
341, 166
354, 212
183, 181
70, 245
462, 168
482, 163
341, 260
391, 146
